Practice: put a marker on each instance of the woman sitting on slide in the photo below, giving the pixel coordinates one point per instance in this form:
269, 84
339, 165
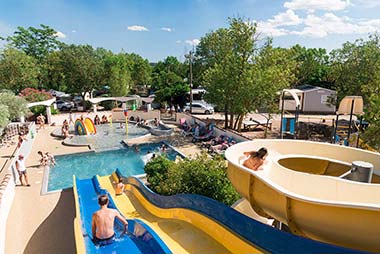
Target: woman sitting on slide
255, 159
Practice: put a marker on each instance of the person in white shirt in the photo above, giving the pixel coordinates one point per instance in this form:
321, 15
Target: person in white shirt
21, 169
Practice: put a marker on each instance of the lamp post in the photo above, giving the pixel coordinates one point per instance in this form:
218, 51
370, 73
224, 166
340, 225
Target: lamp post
190, 56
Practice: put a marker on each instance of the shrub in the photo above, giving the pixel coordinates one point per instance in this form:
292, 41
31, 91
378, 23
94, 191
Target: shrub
202, 175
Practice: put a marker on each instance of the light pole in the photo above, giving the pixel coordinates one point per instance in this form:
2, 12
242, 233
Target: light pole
190, 56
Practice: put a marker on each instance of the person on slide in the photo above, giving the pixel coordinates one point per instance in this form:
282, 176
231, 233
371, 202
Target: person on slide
103, 223
255, 159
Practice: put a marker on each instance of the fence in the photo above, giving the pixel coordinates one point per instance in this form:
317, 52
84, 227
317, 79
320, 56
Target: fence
8, 176
217, 131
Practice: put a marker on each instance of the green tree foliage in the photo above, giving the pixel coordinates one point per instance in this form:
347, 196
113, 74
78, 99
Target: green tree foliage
17, 70
355, 68
83, 68
168, 80
313, 66
16, 105
228, 52
371, 135
201, 175
118, 74
4, 116
140, 70
35, 42
240, 77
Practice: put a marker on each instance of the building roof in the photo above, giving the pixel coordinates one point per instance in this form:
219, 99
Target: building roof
308, 88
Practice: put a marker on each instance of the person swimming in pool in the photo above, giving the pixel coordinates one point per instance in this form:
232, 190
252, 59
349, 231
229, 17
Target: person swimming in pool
103, 223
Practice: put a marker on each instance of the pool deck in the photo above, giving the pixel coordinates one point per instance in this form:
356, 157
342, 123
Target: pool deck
44, 223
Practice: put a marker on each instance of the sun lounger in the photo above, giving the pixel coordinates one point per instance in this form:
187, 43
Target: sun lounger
252, 124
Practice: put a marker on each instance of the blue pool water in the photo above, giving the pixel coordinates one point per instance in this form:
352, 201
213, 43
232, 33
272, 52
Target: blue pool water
86, 165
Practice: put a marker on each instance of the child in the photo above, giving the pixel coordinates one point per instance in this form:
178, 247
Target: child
50, 158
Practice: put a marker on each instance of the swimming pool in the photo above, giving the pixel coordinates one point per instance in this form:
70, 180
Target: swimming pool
86, 165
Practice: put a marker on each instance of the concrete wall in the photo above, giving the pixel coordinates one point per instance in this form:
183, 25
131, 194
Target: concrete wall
7, 183
218, 131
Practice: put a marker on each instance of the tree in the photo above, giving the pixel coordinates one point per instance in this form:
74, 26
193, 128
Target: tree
168, 81
201, 175
83, 68
313, 66
4, 116
35, 42
355, 68
119, 76
17, 70
16, 105
228, 53
140, 70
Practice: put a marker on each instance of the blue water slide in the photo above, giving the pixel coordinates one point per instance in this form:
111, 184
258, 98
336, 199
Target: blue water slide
262, 236
145, 242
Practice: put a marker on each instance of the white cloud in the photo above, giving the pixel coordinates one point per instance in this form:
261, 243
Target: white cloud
331, 24
312, 5
167, 29
288, 18
193, 42
271, 27
137, 28
368, 3
74, 31
60, 35
268, 29
178, 41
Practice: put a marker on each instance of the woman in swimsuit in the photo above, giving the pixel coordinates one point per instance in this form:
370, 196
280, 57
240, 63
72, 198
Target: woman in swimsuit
255, 158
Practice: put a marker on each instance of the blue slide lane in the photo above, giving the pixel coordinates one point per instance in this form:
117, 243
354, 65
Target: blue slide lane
262, 236
148, 242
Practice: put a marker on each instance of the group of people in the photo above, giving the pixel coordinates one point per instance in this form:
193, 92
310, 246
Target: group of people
98, 121
46, 159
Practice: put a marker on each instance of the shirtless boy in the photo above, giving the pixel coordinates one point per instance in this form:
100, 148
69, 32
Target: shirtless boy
103, 223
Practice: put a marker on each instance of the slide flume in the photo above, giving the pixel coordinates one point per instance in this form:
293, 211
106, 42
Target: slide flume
300, 185
140, 238
196, 224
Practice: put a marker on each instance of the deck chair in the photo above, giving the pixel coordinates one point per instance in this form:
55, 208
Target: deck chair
252, 124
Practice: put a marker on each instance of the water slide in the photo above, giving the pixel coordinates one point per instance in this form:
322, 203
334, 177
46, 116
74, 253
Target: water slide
84, 127
196, 224
80, 128
90, 126
300, 185
140, 238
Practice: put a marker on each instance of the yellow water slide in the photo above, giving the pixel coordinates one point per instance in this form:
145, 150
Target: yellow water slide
90, 127
300, 186
182, 230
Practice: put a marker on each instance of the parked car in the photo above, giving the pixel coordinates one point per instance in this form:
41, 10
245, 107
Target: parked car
65, 105
198, 107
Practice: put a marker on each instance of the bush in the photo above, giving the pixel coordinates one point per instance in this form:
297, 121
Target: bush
202, 175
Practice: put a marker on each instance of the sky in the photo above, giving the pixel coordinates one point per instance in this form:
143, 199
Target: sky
156, 29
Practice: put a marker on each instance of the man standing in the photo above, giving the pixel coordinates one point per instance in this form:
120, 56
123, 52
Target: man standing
103, 223
21, 169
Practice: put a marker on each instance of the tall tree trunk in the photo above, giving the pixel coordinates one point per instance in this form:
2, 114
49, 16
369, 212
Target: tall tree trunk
266, 129
240, 122
225, 116
231, 120
236, 121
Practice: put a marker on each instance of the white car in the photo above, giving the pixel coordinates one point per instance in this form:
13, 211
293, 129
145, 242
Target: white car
198, 107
